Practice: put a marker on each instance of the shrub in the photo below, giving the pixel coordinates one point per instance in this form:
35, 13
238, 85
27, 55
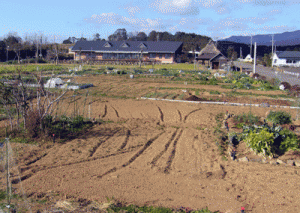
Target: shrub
279, 117
289, 141
260, 142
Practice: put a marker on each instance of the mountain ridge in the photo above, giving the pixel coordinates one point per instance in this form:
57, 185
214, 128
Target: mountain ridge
280, 39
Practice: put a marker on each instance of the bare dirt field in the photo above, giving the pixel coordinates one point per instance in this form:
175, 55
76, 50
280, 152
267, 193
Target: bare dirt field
155, 153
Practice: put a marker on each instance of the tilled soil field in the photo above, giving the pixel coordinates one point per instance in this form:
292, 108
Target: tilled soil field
152, 153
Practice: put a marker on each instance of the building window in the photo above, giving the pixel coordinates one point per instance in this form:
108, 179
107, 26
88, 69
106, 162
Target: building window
107, 44
160, 55
168, 55
288, 61
152, 55
275, 60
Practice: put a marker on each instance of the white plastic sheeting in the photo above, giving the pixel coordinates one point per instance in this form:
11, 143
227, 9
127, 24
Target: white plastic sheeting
54, 82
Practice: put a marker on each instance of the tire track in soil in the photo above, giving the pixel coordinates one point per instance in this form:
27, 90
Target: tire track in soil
155, 159
126, 140
35, 160
149, 142
38, 168
180, 116
101, 142
185, 118
17, 180
171, 158
161, 114
115, 111
105, 111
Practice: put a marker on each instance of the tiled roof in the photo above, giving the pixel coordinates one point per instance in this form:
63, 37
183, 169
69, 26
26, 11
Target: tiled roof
128, 46
288, 54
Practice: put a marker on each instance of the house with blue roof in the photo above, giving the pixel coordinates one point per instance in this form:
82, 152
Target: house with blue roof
158, 51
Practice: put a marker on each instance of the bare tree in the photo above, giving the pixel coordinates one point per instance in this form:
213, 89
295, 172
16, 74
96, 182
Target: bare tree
18, 95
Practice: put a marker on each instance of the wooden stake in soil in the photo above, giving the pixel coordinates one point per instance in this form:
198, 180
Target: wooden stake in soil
90, 111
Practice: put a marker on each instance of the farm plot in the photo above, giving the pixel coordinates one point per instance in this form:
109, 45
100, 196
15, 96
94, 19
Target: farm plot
153, 153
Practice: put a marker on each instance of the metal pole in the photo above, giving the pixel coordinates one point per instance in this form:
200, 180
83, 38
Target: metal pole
254, 64
272, 49
7, 175
251, 47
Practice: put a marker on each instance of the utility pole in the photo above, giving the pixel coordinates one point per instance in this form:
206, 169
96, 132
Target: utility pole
241, 55
7, 175
272, 49
251, 47
254, 64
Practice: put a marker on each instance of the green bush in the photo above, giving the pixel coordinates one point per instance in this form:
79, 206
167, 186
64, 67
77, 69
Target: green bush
289, 142
279, 117
260, 142
64, 127
269, 139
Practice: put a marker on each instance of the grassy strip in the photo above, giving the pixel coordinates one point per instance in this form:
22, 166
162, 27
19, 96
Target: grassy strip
119, 207
254, 94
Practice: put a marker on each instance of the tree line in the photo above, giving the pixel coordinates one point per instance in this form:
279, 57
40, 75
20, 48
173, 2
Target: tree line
37, 48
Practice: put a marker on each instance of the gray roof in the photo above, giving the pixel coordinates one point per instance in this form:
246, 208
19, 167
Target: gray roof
288, 54
132, 46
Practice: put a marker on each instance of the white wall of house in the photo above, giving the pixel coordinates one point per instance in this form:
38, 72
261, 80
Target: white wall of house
285, 62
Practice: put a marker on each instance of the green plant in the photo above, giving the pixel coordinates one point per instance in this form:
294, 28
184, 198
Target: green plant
258, 137
219, 117
260, 142
224, 158
244, 118
279, 117
289, 141
214, 92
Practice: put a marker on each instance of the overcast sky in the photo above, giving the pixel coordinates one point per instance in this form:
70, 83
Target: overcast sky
214, 18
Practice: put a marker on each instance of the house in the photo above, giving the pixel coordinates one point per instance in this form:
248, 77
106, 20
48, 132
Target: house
248, 58
211, 57
160, 51
286, 58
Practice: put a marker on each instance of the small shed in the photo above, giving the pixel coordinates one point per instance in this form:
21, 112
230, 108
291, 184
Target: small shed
212, 57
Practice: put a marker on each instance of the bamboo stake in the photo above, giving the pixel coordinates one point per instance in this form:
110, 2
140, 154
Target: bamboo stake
90, 111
